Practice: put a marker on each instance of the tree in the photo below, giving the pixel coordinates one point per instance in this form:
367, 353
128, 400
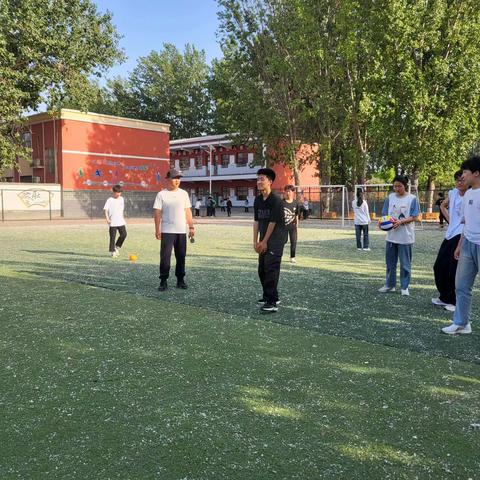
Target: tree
48, 51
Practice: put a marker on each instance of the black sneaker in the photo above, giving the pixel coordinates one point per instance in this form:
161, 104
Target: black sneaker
163, 286
181, 284
269, 308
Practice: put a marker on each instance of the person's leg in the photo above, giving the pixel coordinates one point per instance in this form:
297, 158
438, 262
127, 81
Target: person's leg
358, 231
405, 254
451, 272
180, 246
123, 235
366, 238
261, 272
272, 275
112, 232
293, 242
467, 270
391, 259
166, 245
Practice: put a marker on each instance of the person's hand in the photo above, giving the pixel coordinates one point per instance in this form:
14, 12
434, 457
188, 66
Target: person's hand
191, 232
456, 253
260, 247
397, 223
158, 235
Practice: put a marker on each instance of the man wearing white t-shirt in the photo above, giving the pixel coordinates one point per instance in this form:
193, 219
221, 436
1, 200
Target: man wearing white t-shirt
113, 209
172, 213
468, 251
445, 267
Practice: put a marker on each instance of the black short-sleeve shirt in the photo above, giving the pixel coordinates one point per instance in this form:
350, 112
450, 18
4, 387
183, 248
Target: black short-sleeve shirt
290, 211
270, 210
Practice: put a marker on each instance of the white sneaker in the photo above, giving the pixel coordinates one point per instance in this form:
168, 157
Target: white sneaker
454, 329
114, 254
386, 289
359, 249
437, 301
449, 307
366, 249
293, 260
405, 292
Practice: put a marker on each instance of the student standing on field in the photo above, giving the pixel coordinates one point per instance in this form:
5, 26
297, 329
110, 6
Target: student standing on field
445, 267
172, 214
229, 207
361, 219
468, 250
404, 207
198, 205
290, 209
114, 208
269, 237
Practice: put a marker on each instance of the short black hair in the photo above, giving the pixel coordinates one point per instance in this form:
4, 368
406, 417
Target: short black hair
268, 172
117, 188
472, 164
458, 174
402, 179
289, 187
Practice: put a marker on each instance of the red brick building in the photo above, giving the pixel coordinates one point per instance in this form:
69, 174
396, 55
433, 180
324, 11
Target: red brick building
212, 165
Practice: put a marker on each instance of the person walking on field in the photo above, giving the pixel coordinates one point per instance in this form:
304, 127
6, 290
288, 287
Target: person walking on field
246, 206
114, 208
172, 214
468, 250
198, 205
361, 219
269, 237
291, 212
229, 207
438, 203
445, 267
404, 208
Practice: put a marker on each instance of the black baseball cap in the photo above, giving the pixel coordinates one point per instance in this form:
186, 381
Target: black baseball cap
173, 173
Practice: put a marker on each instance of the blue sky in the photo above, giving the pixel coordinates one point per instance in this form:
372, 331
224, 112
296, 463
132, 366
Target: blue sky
147, 24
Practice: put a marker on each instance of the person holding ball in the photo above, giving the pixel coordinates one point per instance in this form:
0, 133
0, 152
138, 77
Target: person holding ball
404, 208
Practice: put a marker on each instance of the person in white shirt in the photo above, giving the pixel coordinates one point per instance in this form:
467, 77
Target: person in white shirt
404, 207
172, 213
468, 250
361, 219
198, 205
113, 209
445, 266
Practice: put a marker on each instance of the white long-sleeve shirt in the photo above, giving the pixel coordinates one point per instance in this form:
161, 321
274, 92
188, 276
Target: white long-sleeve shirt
361, 214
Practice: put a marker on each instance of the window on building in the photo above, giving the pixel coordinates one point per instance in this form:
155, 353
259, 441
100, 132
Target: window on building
50, 160
225, 192
184, 163
242, 193
198, 162
242, 159
26, 179
27, 139
225, 159
201, 192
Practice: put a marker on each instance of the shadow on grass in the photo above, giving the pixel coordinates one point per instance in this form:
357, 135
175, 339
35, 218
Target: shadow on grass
331, 296
106, 383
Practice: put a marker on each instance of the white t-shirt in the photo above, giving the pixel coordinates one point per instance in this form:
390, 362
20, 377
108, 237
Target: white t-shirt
455, 225
173, 203
114, 208
361, 214
400, 208
198, 204
471, 215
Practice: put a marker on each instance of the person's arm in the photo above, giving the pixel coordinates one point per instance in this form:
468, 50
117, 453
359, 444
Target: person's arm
444, 209
255, 235
189, 218
105, 209
456, 253
414, 213
157, 215
386, 205
268, 234
367, 211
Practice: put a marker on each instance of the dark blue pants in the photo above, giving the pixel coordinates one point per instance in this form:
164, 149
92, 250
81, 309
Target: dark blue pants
359, 229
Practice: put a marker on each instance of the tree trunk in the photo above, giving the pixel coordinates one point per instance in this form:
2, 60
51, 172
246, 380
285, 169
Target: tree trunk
430, 193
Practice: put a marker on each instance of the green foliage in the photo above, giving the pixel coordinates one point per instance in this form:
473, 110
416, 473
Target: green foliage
48, 50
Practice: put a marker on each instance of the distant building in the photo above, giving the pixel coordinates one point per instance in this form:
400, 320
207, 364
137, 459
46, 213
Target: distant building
90, 151
213, 165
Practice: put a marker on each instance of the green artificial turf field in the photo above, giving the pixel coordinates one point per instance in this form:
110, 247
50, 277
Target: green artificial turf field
104, 377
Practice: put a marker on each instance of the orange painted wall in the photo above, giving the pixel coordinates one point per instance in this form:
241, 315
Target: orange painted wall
87, 171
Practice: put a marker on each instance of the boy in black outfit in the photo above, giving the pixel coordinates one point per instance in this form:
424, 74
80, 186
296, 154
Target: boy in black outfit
291, 211
269, 237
